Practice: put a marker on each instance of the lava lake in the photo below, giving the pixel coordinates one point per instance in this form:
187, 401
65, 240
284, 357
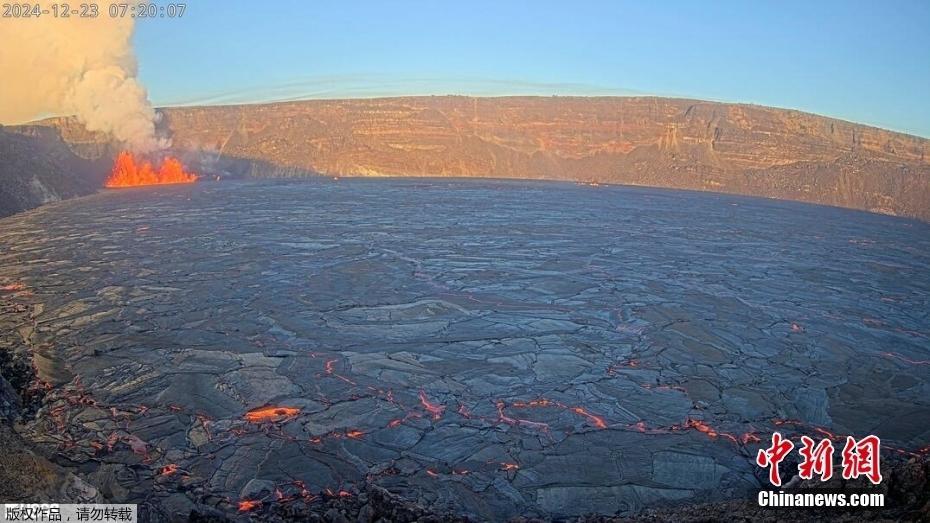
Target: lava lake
489, 348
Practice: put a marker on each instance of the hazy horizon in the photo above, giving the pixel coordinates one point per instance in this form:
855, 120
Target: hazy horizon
855, 61
232, 103
521, 95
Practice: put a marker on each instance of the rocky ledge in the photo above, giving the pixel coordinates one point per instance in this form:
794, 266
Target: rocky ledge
648, 141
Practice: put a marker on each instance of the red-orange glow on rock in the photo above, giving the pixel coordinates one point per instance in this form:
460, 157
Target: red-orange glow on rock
640, 426
394, 423
711, 432
434, 409
247, 505
168, 470
631, 364
354, 434
271, 414
597, 421
917, 453
464, 412
329, 368
127, 172
825, 432
909, 361
749, 437
504, 418
700, 426
509, 466
137, 445
304, 493
112, 440
13, 287
338, 494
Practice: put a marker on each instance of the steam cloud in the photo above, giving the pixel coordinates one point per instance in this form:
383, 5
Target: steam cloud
73, 66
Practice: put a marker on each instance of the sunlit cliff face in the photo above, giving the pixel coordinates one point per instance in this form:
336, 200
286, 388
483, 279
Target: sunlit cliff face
129, 172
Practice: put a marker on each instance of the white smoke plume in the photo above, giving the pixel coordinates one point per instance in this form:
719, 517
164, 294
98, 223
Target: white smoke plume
74, 66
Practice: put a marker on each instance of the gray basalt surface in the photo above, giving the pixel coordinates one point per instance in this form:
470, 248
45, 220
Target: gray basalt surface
486, 347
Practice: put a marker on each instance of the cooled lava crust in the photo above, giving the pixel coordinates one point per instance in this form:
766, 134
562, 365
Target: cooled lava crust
487, 349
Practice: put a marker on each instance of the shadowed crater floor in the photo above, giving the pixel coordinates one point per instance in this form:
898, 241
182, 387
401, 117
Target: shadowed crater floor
493, 348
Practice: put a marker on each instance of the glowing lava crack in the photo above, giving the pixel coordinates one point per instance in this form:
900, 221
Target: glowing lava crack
262, 350
264, 414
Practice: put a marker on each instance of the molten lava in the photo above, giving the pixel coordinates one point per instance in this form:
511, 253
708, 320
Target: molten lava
168, 469
597, 421
271, 414
433, 408
127, 172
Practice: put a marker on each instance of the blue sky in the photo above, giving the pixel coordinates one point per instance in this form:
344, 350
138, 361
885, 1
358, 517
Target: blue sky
862, 61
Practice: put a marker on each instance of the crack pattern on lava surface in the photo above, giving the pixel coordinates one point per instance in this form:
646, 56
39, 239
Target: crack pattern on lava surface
249, 347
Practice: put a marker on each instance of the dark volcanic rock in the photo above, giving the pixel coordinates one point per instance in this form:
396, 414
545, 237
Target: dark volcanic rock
488, 349
37, 167
907, 498
27, 477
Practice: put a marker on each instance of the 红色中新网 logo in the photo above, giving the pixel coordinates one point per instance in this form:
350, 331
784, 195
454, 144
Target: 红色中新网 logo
858, 458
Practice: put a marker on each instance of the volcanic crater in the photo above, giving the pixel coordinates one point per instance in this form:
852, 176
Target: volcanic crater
484, 348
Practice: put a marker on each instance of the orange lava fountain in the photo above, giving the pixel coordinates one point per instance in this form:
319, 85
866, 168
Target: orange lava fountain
127, 172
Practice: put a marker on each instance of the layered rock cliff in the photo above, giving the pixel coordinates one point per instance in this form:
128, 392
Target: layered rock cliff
660, 142
38, 167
